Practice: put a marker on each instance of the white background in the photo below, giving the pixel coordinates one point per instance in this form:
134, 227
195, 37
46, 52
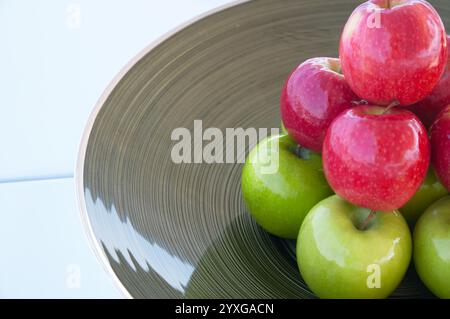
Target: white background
56, 58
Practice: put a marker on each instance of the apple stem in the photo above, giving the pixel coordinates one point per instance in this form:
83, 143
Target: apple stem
298, 151
390, 107
366, 221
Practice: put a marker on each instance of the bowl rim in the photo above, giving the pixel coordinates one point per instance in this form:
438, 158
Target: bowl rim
79, 165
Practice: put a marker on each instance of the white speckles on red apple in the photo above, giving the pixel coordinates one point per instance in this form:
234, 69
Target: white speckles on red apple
376, 161
402, 60
314, 94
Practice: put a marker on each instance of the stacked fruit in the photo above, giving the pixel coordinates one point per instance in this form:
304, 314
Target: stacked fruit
367, 114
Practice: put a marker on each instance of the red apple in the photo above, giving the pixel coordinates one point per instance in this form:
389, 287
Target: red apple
440, 146
429, 108
393, 51
313, 95
376, 157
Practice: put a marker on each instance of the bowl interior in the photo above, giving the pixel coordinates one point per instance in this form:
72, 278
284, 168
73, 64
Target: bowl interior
181, 230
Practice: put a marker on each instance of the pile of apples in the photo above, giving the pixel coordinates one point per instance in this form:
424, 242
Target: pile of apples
364, 161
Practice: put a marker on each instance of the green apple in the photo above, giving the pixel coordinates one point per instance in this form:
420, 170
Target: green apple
341, 255
432, 247
281, 182
430, 191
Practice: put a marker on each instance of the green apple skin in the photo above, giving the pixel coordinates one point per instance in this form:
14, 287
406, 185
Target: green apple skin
430, 191
280, 201
432, 248
335, 257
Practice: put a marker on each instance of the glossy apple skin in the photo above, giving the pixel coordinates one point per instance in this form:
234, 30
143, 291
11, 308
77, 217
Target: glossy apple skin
280, 201
430, 191
313, 95
333, 255
432, 248
440, 146
401, 59
376, 160
429, 108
